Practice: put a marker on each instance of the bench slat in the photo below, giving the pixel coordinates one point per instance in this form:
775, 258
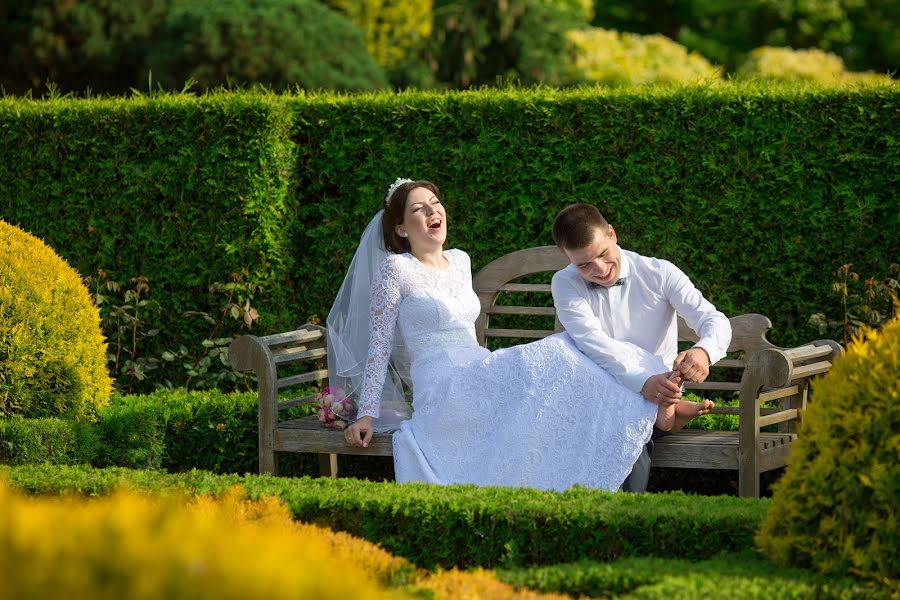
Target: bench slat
697, 449
730, 363
302, 378
776, 440
694, 456
778, 394
713, 385
697, 436
286, 356
808, 352
522, 333
525, 287
779, 417
283, 404
521, 310
736, 410
308, 435
816, 368
300, 335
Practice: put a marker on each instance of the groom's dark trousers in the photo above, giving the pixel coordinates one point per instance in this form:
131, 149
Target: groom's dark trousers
640, 472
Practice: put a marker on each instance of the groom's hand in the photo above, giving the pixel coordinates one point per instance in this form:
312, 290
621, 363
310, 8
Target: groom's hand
663, 389
693, 364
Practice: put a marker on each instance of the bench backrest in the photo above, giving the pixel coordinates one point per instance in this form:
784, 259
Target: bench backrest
501, 277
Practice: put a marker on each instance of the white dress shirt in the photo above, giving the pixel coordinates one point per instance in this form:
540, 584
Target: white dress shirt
631, 329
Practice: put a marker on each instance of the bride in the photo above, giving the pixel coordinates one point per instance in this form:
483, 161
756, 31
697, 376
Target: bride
539, 415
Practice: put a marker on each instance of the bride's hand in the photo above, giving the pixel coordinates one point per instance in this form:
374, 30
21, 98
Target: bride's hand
360, 433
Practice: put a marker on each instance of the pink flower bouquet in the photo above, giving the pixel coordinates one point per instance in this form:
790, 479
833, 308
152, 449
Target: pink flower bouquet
333, 408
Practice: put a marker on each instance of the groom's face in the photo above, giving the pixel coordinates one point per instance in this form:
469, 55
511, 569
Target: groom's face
598, 262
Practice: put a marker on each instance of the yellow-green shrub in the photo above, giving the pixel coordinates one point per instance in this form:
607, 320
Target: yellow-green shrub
132, 545
393, 29
835, 508
52, 352
477, 584
129, 545
802, 66
622, 59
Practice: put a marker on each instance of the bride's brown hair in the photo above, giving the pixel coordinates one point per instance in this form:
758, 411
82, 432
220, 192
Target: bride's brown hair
394, 207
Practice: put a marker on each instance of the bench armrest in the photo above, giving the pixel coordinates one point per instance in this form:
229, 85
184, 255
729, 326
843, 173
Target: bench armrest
779, 367
263, 355
776, 373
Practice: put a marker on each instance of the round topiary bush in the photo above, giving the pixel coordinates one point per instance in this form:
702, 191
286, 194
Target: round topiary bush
625, 59
802, 66
279, 43
835, 508
52, 352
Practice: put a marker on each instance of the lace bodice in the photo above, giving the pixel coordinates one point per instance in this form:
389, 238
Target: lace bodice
433, 311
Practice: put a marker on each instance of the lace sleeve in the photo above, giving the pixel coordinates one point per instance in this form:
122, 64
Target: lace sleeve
384, 305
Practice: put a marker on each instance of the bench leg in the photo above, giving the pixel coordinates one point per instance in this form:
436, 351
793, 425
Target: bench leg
268, 464
748, 481
328, 465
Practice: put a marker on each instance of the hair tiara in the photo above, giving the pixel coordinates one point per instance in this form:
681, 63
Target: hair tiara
390, 193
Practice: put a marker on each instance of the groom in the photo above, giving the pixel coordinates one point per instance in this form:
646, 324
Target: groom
620, 310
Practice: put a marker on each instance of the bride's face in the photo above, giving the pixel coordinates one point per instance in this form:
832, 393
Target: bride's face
424, 220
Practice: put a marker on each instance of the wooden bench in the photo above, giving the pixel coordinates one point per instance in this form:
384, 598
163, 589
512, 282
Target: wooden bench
761, 373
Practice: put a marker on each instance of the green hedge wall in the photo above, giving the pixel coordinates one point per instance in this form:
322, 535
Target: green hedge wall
49, 440
174, 431
758, 193
462, 525
180, 190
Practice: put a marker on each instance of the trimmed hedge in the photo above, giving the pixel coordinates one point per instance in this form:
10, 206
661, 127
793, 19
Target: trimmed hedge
178, 431
184, 192
173, 431
51, 440
462, 525
727, 575
745, 187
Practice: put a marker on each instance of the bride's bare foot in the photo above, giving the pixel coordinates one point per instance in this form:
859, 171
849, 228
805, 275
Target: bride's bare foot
665, 417
687, 410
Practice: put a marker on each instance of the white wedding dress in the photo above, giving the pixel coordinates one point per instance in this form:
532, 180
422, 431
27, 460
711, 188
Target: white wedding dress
539, 415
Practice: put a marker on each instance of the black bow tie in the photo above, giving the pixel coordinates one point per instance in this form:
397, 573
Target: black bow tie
597, 285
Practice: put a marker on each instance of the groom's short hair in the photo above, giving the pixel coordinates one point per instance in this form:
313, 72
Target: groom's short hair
575, 226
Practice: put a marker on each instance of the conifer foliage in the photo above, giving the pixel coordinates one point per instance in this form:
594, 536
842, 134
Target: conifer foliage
835, 509
52, 352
